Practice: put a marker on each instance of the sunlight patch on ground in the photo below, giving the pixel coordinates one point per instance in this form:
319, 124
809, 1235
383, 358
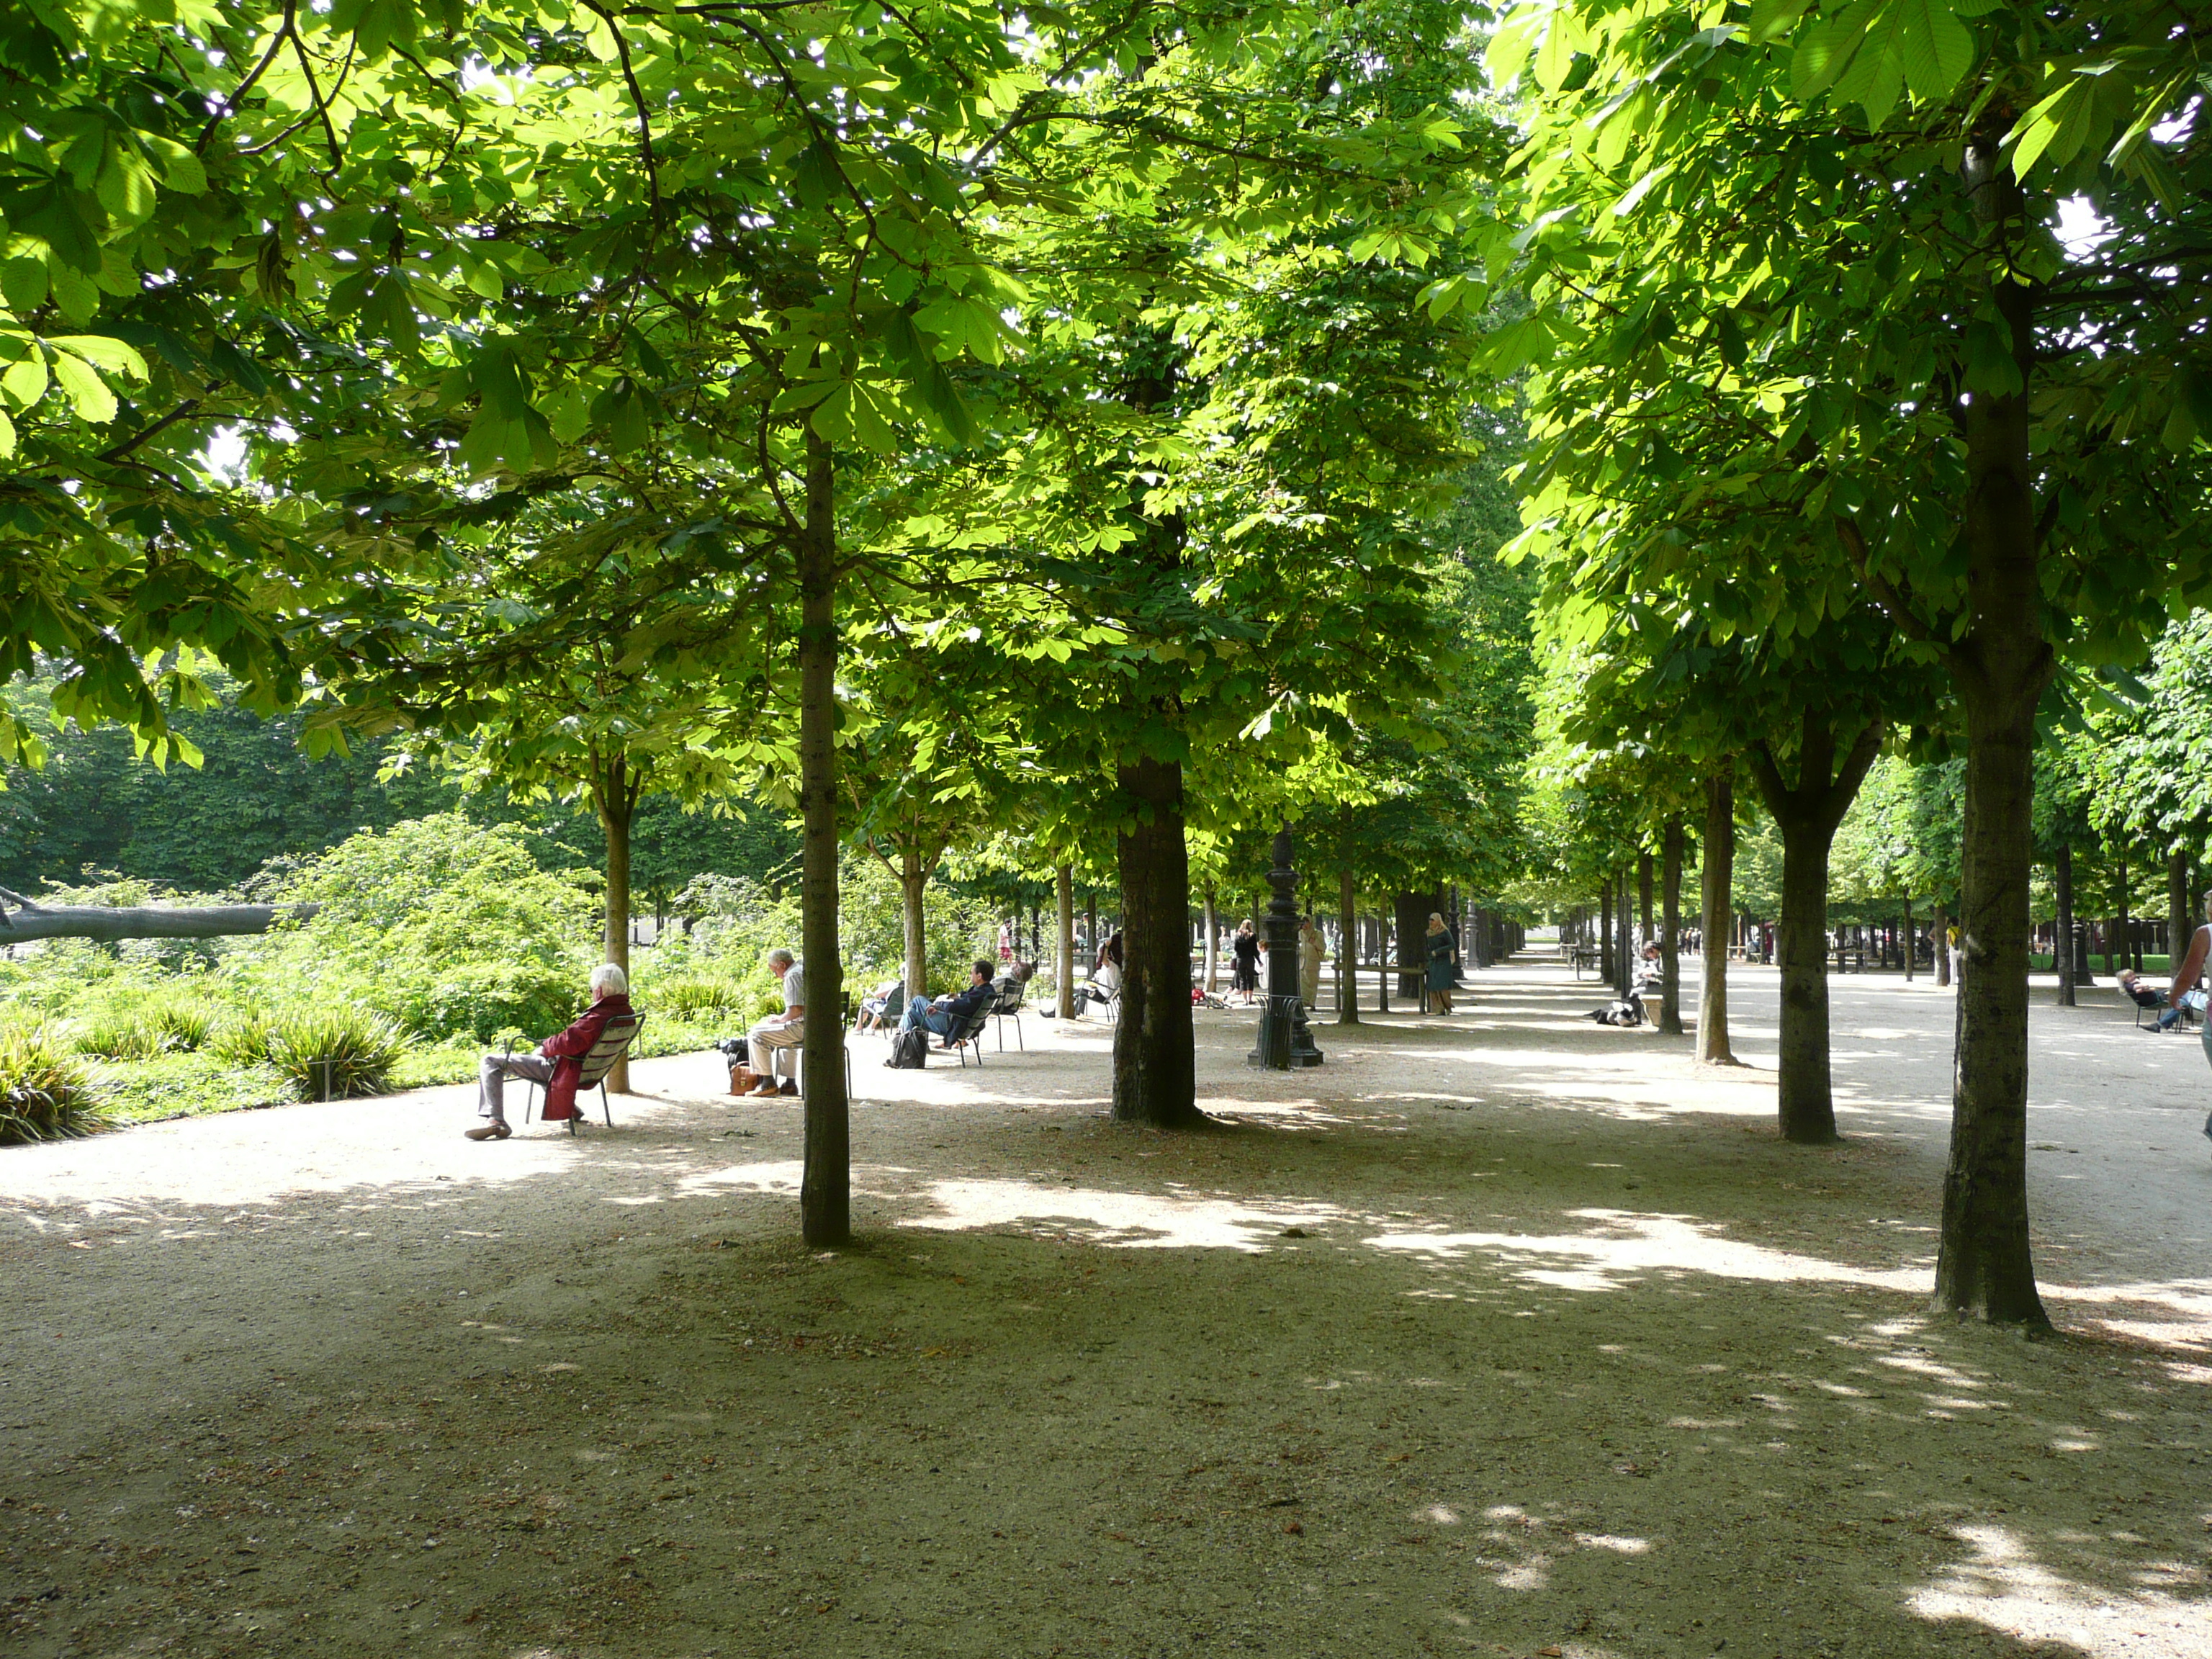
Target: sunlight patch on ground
1633, 1245
2005, 1589
1134, 1220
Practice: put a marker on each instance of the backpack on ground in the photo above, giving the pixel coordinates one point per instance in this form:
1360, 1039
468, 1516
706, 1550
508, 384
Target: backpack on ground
909, 1050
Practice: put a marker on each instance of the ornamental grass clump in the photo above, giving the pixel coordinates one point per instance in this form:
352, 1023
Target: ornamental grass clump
241, 1039
335, 1053
690, 995
47, 1090
171, 1026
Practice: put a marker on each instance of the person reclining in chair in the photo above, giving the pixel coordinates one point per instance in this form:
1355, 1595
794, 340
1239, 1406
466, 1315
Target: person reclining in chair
559, 1062
949, 1012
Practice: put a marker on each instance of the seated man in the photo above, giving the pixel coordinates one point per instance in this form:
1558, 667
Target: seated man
2138, 990
787, 1030
949, 1012
559, 1062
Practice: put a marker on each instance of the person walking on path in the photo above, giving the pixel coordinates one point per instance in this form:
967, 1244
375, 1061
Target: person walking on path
1246, 979
1443, 956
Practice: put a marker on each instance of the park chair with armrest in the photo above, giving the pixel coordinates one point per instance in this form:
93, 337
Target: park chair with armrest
968, 1034
615, 1038
1006, 1006
880, 1009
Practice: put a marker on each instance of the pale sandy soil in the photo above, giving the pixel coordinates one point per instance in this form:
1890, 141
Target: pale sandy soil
1509, 1335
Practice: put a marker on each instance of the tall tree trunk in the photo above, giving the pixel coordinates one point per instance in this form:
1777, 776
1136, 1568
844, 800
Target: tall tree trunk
2065, 958
1623, 939
1155, 1063
1382, 962
1983, 1263
1646, 932
1939, 931
1807, 814
2178, 928
1605, 931
1064, 972
1414, 910
825, 1180
1908, 938
615, 786
1347, 949
913, 883
1670, 928
1212, 944
1716, 892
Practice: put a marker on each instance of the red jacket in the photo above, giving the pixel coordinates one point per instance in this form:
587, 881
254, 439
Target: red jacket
569, 1048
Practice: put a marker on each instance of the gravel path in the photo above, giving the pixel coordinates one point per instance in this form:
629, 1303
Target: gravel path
1508, 1334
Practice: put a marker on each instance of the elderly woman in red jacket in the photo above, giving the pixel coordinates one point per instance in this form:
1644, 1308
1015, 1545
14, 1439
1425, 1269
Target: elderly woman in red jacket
559, 1062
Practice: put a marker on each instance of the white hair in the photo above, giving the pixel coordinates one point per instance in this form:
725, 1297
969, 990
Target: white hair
782, 956
610, 981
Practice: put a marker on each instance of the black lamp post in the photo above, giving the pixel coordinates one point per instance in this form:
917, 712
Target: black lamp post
1285, 1041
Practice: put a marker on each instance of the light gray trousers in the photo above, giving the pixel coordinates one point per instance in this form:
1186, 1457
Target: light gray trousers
492, 1076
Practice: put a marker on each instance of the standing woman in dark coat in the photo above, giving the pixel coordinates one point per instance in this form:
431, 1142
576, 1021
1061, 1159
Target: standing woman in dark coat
1247, 947
1443, 956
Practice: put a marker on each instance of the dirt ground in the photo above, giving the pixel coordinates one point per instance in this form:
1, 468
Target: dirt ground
1508, 1334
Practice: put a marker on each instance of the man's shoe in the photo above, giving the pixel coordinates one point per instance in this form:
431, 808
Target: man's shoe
492, 1131
764, 1090
789, 1087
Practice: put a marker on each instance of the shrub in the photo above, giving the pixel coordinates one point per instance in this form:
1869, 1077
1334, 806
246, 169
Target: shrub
334, 1052
242, 1039
46, 1091
167, 1027
116, 1034
689, 996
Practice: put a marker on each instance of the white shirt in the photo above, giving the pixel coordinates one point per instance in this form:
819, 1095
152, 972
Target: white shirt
794, 988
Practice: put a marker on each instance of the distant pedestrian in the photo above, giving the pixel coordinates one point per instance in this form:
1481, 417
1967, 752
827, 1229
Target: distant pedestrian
1246, 978
1443, 956
1311, 945
1952, 944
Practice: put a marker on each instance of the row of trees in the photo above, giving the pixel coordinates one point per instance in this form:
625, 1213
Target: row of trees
954, 425
942, 424
1867, 415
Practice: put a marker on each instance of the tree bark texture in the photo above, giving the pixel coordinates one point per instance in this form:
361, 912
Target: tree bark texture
2178, 927
914, 884
1064, 991
1807, 814
32, 921
1213, 945
1670, 928
1716, 889
1605, 930
1643, 917
1939, 931
1383, 963
825, 1180
1155, 1064
1983, 1264
2063, 956
615, 786
1347, 949
1413, 911
1908, 938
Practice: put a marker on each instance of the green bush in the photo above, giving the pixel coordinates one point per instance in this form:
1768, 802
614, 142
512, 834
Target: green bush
689, 996
334, 1052
242, 1039
448, 926
47, 1092
166, 1027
